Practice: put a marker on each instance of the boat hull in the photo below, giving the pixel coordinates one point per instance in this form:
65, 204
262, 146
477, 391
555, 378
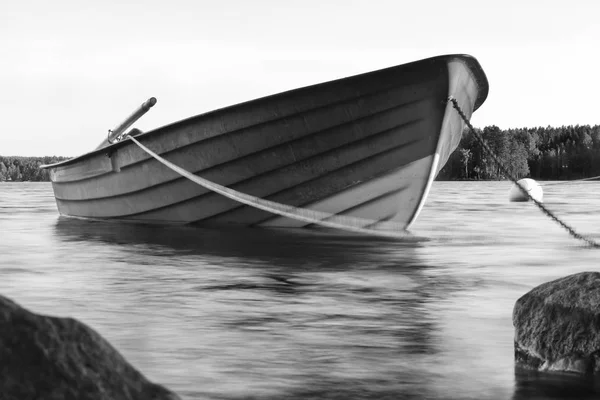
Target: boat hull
367, 146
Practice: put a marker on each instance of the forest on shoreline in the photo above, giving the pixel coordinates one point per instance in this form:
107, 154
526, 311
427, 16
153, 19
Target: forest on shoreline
563, 153
26, 169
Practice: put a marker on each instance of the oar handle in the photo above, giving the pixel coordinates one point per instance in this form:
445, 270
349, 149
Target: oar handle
137, 114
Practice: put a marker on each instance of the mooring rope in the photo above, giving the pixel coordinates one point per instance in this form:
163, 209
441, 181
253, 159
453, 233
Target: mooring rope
549, 213
352, 224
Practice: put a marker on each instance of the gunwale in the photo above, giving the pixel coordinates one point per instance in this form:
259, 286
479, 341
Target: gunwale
473, 66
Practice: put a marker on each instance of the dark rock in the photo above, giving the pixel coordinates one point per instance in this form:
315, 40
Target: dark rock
557, 325
45, 357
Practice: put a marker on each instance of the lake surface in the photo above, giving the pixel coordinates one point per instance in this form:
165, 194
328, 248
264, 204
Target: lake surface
251, 313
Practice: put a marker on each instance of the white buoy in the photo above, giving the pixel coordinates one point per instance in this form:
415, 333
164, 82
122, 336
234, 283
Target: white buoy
532, 187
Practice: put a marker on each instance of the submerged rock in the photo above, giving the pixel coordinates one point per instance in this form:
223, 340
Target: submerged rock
45, 357
557, 325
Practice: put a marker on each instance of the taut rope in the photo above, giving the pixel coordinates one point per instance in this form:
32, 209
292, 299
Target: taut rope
505, 171
352, 224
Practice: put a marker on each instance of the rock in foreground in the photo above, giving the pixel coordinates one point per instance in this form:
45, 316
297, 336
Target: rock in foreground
60, 358
557, 325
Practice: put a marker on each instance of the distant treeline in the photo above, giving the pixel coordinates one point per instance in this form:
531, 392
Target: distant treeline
567, 152
26, 168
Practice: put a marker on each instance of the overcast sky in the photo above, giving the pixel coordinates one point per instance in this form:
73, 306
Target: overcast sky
70, 70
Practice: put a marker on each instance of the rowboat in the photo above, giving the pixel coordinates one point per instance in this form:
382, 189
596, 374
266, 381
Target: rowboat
367, 147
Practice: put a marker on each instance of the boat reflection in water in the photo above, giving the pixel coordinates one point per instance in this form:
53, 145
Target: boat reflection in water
324, 314
275, 246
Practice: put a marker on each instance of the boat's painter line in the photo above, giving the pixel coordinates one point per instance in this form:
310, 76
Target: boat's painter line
351, 224
358, 206
286, 194
315, 180
395, 130
344, 104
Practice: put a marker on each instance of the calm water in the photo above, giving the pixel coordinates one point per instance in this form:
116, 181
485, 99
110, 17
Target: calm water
271, 315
